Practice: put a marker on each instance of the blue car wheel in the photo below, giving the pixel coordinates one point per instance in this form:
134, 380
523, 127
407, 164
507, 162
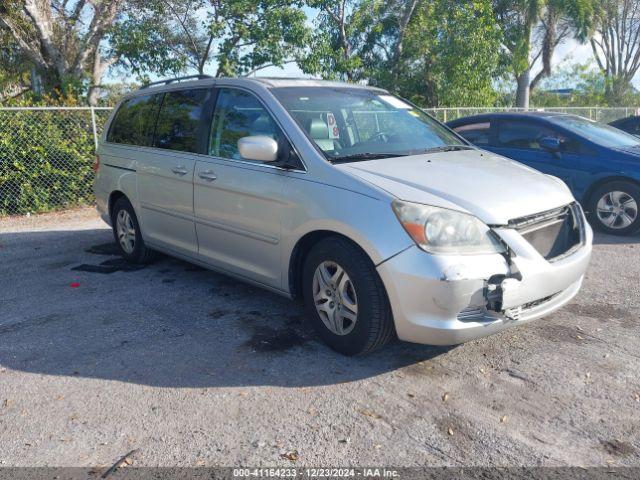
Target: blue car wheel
614, 208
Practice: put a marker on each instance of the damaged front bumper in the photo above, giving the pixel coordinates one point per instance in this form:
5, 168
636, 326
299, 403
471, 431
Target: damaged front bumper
451, 299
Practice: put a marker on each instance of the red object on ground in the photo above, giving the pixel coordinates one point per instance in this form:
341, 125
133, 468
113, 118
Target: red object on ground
74, 284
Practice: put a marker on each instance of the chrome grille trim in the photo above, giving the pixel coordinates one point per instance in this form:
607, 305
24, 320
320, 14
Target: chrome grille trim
539, 220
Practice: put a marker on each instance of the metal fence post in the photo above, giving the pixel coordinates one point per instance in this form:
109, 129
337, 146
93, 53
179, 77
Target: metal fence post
95, 128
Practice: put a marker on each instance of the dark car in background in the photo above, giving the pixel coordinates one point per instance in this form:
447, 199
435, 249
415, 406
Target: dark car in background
599, 163
629, 124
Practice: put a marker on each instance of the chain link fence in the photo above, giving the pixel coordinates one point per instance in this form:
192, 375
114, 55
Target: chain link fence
46, 157
47, 153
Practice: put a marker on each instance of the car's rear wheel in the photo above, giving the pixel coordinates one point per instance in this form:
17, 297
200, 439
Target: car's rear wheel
345, 298
614, 208
127, 234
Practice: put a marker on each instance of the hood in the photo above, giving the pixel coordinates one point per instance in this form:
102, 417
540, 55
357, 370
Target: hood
491, 187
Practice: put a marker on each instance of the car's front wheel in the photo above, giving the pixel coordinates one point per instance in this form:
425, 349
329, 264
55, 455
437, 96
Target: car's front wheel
127, 234
614, 208
345, 298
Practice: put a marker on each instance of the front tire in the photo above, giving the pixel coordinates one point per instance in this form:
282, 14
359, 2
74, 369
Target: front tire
127, 234
345, 298
613, 208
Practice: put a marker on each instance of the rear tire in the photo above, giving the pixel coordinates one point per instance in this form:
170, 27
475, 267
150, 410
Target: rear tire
613, 208
127, 233
345, 298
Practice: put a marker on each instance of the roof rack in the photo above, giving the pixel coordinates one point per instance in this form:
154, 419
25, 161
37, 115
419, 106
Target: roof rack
178, 79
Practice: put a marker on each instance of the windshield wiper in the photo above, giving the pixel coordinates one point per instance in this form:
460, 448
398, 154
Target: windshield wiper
447, 148
358, 157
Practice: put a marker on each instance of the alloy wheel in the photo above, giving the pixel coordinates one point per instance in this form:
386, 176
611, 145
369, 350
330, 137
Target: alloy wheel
126, 231
617, 210
334, 297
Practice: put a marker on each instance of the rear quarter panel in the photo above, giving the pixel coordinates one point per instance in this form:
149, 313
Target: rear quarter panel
117, 172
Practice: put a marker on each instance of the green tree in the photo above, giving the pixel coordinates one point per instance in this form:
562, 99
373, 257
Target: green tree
612, 28
332, 52
585, 83
241, 36
61, 40
532, 29
444, 53
14, 69
435, 52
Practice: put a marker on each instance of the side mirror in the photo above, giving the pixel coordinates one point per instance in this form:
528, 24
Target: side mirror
550, 144
258, 147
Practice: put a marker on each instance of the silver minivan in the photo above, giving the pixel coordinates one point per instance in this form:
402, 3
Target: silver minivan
382, 220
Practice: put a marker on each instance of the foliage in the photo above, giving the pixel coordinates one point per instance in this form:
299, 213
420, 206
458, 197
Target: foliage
588, 87
62, 41
435, 52
241, 36
46, 162
45, 156
612, 28
450, 56
337, 30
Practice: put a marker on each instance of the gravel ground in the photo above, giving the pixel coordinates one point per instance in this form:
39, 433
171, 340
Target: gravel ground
193, 368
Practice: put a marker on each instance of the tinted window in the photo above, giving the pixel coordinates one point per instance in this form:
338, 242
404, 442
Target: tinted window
476, 133
521, 134
238, 114
179, 120
631, 125
604, 135
135, 120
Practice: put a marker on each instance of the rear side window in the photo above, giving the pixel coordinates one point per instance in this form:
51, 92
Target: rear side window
134, 122
180, 120
476, 133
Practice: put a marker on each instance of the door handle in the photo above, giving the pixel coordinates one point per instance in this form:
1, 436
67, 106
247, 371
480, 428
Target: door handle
180, 170
207, 175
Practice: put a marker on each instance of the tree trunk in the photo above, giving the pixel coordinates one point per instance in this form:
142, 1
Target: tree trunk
616, 89
97, 70
522, 93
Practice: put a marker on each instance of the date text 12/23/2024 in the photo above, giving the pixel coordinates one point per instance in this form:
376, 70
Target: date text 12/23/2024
315, 472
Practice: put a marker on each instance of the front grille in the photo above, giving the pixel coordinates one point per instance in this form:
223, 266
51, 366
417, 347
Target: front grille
555, 233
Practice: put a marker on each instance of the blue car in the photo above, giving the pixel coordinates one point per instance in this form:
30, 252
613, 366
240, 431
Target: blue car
629, 124
599, 163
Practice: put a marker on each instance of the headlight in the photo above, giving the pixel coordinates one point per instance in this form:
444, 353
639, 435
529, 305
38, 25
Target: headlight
439, 230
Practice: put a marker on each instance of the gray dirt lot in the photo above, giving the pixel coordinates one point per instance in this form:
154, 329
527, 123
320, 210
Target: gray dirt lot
193, 368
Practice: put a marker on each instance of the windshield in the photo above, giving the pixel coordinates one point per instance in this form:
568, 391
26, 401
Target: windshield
599, 133
350, 124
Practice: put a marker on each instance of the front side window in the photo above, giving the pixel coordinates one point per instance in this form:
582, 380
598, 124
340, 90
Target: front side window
238, 114
477, 133
179, 120
134, 122
525, 135
351, 123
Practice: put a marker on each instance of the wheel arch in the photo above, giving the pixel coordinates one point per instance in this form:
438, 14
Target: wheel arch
113, 198
302, 248
586, 198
